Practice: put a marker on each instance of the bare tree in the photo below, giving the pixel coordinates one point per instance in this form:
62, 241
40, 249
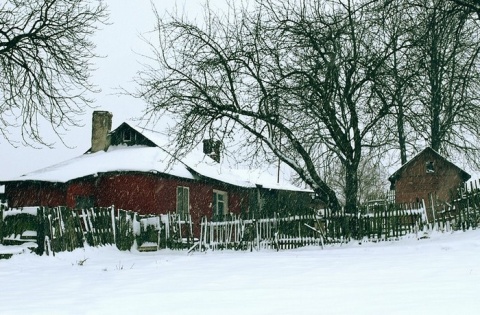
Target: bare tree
448, 47
398, 87
45, 63
372, 177
471, 6
293, 76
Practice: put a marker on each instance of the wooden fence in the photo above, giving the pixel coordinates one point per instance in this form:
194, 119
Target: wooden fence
277, 233
461, 214
379, 224
62, 229
51, 230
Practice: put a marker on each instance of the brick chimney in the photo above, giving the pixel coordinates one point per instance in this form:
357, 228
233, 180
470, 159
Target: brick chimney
212, 149
101, 127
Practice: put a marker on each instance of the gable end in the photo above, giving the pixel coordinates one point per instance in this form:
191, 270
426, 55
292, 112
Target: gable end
126, 135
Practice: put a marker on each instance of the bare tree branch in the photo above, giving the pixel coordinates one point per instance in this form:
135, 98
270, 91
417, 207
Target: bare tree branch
45, 63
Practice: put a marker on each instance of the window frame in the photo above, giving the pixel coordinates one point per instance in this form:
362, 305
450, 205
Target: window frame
430, 167
216, 201
182, 200
128, 135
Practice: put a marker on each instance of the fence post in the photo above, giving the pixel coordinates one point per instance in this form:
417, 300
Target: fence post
112, 215
40, 232
1, 223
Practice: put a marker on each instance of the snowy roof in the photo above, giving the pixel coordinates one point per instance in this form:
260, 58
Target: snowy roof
427, 150
117, 158
157, 159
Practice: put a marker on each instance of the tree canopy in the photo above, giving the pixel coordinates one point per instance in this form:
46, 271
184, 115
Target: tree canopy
311, 82
45, 63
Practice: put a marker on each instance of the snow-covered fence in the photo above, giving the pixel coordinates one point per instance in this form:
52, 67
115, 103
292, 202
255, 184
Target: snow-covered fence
248, 234
98, 225
382, 222
18, 226
178, 231
461, 214
62, 229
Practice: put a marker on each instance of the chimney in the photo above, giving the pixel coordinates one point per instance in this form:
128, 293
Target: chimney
101, 127
212, 149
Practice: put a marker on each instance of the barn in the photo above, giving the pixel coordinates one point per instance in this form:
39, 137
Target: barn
427, 176
130, 168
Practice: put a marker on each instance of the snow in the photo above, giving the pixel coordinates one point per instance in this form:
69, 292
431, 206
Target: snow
27, 210
440, 275
117, 158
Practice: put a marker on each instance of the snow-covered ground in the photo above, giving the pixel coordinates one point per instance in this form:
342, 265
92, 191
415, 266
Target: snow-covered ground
440, 275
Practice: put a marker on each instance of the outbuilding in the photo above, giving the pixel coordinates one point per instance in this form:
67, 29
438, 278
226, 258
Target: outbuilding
428, 176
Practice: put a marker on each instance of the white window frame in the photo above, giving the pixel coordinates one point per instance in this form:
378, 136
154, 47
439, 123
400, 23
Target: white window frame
216, 202
130, 137
183, 200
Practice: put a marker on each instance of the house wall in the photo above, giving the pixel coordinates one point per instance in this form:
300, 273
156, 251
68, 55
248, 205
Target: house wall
134, 192
27, 194
155, 194
140, 192
85, 187
415, 183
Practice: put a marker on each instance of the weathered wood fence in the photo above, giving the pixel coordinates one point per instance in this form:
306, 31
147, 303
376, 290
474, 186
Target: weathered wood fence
276, 233
461, 214
50, 230
379, 224
376, 223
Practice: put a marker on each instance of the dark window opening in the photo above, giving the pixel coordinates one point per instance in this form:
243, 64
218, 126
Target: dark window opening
183, 200
220, 204
430, 168
84, 202
128, 136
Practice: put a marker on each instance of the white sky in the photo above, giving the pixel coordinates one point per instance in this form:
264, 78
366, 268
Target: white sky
121, 45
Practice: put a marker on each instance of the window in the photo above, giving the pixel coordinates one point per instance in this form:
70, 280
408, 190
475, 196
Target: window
220, 204
84, 202
183, 200
429, 166
128, 135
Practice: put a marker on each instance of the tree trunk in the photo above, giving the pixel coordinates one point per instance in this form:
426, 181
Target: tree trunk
401, 134
351, 188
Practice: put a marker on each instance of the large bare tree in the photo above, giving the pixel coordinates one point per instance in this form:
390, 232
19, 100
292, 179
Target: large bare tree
292, 77
470, 6
448, 50
45, 63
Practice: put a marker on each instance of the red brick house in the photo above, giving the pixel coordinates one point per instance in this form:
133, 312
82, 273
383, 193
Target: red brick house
428, 173
130, 169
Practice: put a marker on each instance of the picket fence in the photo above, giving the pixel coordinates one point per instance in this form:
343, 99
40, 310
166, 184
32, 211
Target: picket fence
381, 223
248, 234
58, 229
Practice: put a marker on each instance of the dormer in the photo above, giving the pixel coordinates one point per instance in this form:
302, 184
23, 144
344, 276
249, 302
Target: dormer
126, 135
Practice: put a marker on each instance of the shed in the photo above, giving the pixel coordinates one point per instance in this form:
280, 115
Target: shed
427, 174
